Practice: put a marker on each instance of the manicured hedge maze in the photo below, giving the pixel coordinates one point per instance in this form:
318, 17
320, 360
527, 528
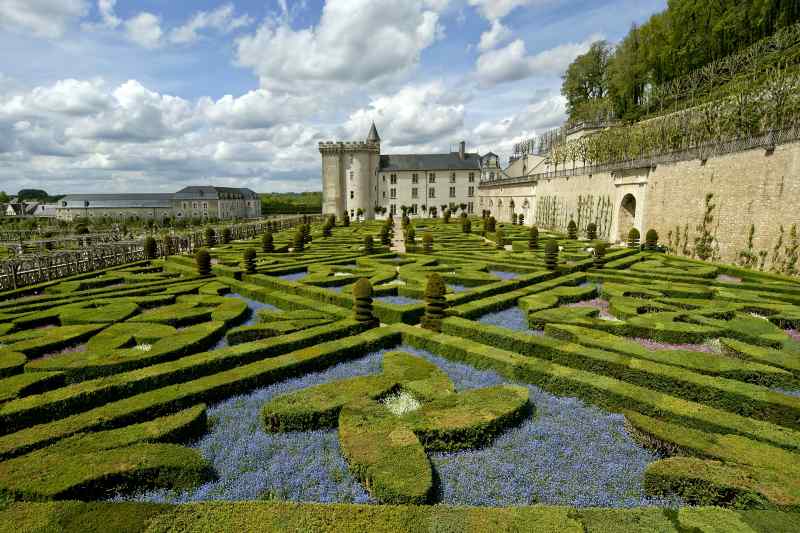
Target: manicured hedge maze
645, 383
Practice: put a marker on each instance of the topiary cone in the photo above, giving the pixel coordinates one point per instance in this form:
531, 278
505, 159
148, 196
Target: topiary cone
651, 239
599, 257
466, 226
533, 238
299, 240
551, 255
633, 238
226, 235
150, 248
362, 301
411, 237
369, 244
572, 230
500, 239
211, 237
427, 243
591, 231
267, 243
436, 303
249, 261
203, 260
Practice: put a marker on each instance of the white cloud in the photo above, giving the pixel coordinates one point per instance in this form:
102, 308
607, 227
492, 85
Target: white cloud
106, 9
45, 18
356, 41
256, 109
221, 19
68, 97
415, 115
512, 62
497, 35
145, 30
497, 9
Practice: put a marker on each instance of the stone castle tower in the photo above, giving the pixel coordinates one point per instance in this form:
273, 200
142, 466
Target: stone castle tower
349, 175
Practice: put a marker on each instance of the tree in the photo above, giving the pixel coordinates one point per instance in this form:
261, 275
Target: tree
4, 199
466, 226
633, 238
572, 230
386, 237
411, 237
651, 240
427, 242
346, 219
203, 260
249, 261
299, 241
369, 244
551, 255
533, 238
436, 303
210, 237
491, 224
226, 235
500, 239
599, 255
591, 231
585, 82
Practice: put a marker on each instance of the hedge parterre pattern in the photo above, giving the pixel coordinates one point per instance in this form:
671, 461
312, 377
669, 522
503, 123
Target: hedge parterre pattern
640, 382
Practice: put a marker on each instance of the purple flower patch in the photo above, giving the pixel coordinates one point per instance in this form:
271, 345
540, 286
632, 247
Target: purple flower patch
397, 300
794, 334
724, 278
600, 304
512, 318
706, 347
297, 276
503, 274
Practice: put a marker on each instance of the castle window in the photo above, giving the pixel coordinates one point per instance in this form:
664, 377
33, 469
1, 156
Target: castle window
414, 209
432, 177
414, 179
393, 209
470, 207
415, 193
472, 177
352, 195
471, 192
393, 193
452, 192
205, 205
393, 179
384, 195
453, 177
432, 193
384, 177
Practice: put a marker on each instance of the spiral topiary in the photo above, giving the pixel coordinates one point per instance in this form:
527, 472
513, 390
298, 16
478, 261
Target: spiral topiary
225, 236
386, 237
490, 224
211, 237
362, 302
346, 219
299, 240
572, 230
551, 255
427, 243
436, 303
466, 226
446, 216
203, 260
369, 244
633, 238
591, 231
651, 240
521, 219
150, 248
249, 261
500, 239
514, 219
533, 238
599, 255
267, 243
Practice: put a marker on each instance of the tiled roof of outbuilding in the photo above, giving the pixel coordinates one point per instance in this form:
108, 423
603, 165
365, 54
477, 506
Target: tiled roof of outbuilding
449, 161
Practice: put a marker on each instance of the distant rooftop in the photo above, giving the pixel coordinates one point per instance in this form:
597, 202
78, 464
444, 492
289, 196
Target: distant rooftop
450, 161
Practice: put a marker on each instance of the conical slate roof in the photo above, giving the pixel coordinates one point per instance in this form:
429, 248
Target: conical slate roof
373, 136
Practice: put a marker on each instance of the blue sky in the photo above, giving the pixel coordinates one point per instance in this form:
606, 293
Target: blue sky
148, 96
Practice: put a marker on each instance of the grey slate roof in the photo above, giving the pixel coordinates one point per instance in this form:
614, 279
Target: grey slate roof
116, 201
195, 192
449, 161
373, 136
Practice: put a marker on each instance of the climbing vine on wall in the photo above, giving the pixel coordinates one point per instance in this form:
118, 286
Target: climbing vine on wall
553, 213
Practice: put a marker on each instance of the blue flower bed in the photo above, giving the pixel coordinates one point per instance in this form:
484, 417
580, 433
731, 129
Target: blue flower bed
503, 274
338, 289
297, 276
795, 393
568, 453
255, 306
397, 300
511, 318
457, 288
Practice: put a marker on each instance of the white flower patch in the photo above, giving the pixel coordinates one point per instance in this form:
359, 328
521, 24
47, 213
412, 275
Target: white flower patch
401, 403
590, 250
756, 315
143, 347
560, 248
341, 274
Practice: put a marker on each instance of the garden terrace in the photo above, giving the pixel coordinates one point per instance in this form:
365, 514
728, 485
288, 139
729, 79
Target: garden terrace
555, 397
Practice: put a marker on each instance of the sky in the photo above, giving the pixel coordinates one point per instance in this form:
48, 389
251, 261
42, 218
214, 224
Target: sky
153, 95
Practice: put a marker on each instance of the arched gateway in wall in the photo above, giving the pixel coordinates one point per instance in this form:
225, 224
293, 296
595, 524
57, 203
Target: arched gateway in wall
626, 217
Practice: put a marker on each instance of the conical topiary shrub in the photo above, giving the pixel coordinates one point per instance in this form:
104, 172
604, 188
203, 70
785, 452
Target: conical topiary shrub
633, 238
267, 243
211, 237
150, 248
490, 225
225, 236
346, 219
411, 237
249, 261
369, 244
435, 303
466, 226
386, 236
306, 229
446, 216
651, 239
203, 260
299, 241
427, 243
500, 239
572, 230
533, 238
591, 231
551, 255
362, 301
327, 229
599, 255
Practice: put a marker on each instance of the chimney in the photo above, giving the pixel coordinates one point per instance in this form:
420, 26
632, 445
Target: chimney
462, 147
